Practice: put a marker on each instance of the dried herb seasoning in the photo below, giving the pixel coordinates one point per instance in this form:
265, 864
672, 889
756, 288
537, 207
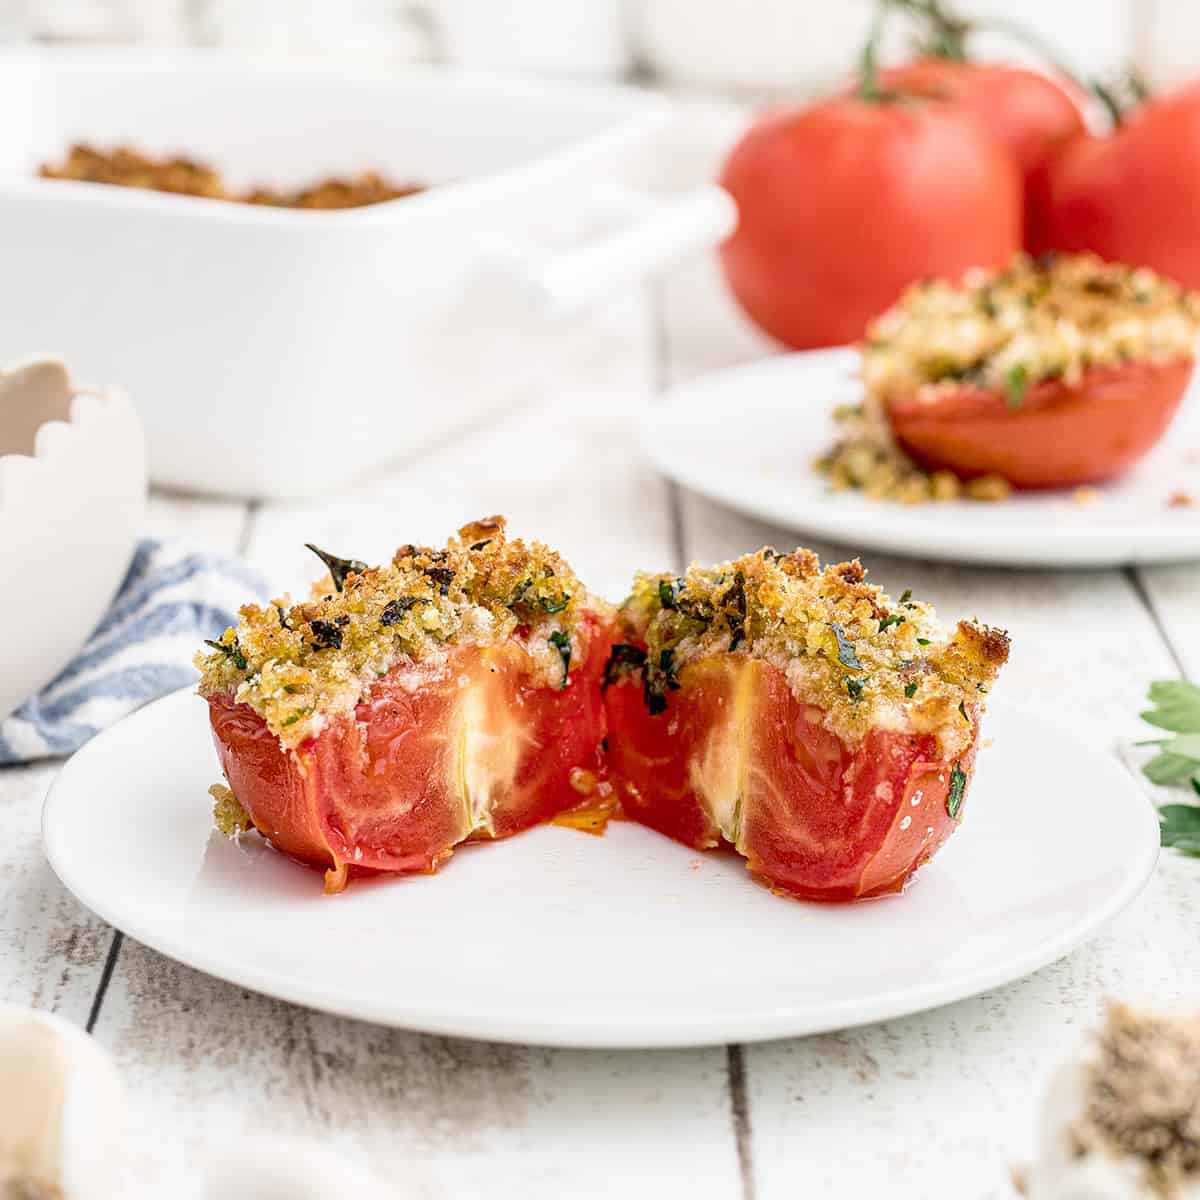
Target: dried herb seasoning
231, 650
326, 635
563, 643
658, 679
958, 789
624, 659
395, 610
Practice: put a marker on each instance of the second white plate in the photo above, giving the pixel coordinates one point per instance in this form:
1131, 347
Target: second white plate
559, 938
748, 437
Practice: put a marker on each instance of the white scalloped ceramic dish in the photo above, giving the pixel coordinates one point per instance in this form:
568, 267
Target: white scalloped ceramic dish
72, 497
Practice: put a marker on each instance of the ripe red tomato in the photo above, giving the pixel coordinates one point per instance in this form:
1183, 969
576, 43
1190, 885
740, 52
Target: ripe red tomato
1061, 435
430, 756
736, 757
844, 204
1029, 113
1131, 196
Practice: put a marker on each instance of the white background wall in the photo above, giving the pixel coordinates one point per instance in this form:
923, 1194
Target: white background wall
792, 45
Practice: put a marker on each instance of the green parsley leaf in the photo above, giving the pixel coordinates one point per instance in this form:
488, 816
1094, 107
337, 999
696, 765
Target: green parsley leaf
958, 789
563, 643
668, 593
907, 596
1016, 379
911, 690
894, 619
846, 653
231, 650
922, 641
1176, 706
854, 688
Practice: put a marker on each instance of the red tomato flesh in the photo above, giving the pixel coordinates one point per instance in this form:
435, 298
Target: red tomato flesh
432, 755
737, 759
1061, 434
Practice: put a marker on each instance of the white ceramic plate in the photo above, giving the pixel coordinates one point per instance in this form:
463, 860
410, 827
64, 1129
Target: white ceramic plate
561, 938
748, 437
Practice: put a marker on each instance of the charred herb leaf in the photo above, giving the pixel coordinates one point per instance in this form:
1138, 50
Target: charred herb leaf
846, 654
481, 545
734, 604
623, 660
394, 610
563, 644
232, 651
854, 688
958, 789
326, 635
442, 576
659, 678
338, 568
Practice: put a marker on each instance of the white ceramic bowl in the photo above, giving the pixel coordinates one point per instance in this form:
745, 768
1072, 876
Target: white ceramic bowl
72, 497
278, 352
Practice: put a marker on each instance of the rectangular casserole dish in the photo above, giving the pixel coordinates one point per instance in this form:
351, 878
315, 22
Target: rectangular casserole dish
274, 352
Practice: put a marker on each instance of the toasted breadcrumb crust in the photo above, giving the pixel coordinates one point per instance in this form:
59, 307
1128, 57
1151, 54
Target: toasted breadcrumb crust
297, 665
182, 176
1051, 317
866, 660
228, 814
1045, 318
1143, 1095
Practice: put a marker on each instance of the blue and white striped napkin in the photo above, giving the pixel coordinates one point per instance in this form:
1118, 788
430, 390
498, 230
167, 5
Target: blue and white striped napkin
173, 597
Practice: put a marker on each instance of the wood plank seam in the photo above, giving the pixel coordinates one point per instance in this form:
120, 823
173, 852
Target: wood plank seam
110, 964
1143, 594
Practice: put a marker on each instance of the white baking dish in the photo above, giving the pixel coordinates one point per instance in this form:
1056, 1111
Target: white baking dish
275, 352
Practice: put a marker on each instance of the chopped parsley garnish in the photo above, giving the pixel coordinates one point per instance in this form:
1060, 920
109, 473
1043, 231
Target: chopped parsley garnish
668, 593
563, 643
623, 660
907, 596
394, 610
846, 653
231, 650
894, 619
910, 690
958, 789
296, 717
554, 604
339, 568
854, 688
922, 641
1015, 381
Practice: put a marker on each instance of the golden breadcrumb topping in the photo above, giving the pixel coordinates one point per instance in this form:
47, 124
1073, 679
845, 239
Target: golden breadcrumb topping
845, 646
1042, 318
1143, 1095
228, 814
297, 664
127, 167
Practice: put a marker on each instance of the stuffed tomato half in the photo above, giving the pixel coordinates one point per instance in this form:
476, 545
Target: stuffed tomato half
825, 732
452, 694
1054, 372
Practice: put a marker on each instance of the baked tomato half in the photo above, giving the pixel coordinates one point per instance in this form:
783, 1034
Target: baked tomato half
832, 746
1061, 433
483, 703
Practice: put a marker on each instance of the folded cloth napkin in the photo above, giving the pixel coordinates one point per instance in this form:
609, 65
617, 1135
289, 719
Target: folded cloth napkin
174, 596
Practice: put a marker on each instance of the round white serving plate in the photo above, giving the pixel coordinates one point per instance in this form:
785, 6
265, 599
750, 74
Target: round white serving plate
748, 436
560, 938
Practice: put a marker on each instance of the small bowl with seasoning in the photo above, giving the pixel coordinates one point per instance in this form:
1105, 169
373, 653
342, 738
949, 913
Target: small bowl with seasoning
72, 498
1051, 373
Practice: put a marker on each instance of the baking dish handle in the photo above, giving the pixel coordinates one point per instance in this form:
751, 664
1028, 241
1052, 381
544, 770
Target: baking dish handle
655, 231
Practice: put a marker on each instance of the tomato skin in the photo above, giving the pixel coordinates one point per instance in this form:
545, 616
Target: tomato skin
844, 204
1062, 435
1029, 113
813, 817
1133, 195
399, 783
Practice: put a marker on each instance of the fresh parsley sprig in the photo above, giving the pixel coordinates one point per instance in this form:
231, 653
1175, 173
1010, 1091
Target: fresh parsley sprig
1175, 707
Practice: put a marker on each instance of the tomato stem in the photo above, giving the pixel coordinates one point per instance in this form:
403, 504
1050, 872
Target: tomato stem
868, 87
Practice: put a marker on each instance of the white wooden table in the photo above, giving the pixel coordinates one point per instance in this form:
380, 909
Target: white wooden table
937, 1105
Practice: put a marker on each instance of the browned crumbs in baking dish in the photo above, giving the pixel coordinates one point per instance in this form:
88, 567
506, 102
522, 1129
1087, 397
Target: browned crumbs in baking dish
183, 176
